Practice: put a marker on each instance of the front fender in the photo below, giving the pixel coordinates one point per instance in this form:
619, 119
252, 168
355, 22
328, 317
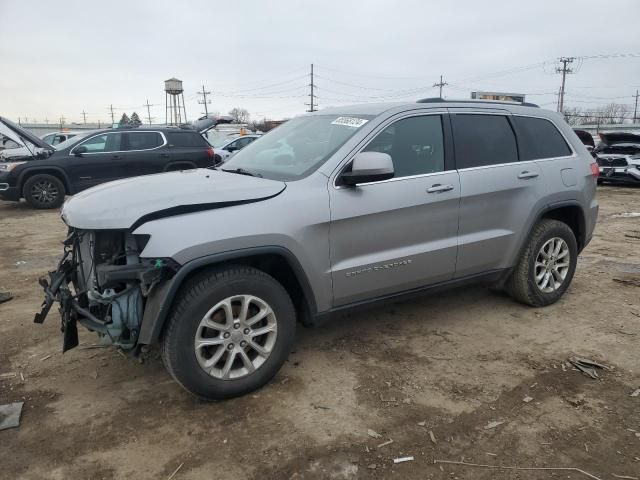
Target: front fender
160, 299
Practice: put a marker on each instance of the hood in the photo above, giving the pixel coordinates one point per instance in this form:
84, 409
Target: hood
22, 134
206, 123
128, 203
620, 137
585, 137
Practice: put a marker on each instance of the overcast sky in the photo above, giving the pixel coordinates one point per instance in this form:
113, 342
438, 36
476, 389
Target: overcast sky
58, 58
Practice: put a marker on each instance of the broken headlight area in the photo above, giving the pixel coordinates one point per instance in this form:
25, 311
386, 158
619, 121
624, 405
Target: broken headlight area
102, 283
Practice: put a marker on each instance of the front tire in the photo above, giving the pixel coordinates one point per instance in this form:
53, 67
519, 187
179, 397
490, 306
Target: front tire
229, 333
44, 191
546, 266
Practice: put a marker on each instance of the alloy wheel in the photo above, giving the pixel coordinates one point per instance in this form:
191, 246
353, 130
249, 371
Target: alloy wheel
45, 192
235, 337
552, 265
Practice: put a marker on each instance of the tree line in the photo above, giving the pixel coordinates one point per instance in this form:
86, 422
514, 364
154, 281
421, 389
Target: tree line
613, 113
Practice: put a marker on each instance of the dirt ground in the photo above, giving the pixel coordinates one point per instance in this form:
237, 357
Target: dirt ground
430, 374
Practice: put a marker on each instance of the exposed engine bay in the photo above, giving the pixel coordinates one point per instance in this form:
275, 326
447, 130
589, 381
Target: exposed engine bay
102, 283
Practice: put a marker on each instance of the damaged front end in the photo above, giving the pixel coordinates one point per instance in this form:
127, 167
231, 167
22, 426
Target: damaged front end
102, 283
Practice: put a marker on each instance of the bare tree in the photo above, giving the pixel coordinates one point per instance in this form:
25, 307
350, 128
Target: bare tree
239, 115
573, 116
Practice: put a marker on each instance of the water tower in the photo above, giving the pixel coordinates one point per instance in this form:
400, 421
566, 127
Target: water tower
176, 113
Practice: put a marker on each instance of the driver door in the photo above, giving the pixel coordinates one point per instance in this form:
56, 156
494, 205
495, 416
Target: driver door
399, 234
102, 162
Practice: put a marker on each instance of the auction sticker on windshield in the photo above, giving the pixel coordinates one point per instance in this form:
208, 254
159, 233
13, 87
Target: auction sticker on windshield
349, 122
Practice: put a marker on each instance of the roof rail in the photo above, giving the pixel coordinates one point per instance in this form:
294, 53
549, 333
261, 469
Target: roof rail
503, 102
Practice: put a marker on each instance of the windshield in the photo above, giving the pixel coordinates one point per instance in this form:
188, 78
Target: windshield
73, 140
297, 147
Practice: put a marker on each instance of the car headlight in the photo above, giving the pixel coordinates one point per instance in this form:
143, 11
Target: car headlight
8, 166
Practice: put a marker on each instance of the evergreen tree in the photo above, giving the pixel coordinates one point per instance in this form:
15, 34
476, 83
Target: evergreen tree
135, 119
124, 120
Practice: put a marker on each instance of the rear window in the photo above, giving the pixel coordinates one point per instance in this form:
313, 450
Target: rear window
539, 138
483, 140
144, 140
186, 139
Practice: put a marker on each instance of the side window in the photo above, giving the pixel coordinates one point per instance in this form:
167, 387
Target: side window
416, 145
483, 140
107, 142
186, 139
58, 139
539, 138
49, 138
143, 140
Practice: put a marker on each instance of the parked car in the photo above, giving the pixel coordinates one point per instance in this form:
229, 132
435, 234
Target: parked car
364, 204
43, 179
618, 156
230, 146
58, 137
587, 140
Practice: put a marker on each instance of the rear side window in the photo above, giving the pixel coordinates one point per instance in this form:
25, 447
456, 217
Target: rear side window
186, 139
483, 140
539, 138
144, 140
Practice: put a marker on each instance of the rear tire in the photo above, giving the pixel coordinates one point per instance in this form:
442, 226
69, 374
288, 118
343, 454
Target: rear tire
546, 267
210, 345
43, 191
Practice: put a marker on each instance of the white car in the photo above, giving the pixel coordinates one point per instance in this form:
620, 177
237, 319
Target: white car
58, 137
227, 147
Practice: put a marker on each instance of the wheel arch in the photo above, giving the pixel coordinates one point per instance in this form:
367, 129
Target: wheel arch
57, 172
570, 213
276, 261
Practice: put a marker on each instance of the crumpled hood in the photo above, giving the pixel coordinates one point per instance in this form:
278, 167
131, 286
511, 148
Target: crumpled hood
127, 203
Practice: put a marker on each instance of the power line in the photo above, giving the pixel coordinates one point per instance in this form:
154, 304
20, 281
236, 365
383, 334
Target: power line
204, 100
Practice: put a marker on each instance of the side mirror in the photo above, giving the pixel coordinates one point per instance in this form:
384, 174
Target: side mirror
231, 148
80, 150
369, 167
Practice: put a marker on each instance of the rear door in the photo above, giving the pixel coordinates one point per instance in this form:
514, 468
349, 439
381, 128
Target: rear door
103, 161
498, 192
395, 235
190, 148
144, 153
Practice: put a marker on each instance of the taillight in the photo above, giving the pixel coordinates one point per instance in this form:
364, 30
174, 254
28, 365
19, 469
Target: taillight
595, 170
210, 152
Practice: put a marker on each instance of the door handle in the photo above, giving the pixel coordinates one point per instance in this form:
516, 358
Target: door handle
526, 174
438, 188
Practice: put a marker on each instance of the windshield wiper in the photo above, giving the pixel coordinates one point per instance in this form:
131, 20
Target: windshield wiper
241, 171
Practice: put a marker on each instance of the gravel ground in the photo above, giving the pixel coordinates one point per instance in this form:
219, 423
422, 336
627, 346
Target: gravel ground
432, 375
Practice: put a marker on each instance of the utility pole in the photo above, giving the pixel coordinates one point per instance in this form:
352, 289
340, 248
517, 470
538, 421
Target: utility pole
113, 118
84, 116
441, 84
312, 96
148, 105
61, 121
635, 109
204, 100
564, 70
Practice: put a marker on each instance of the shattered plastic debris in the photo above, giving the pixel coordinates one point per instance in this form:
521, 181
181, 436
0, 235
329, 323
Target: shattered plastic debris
373, 434
527, 399
586, 366
493, 424
10, 415
635, 393
5, 296
403, 459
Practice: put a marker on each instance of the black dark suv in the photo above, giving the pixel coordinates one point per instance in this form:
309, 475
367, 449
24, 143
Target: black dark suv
44, 175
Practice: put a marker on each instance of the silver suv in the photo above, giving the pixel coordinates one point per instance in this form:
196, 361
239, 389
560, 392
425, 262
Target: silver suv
332, 210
